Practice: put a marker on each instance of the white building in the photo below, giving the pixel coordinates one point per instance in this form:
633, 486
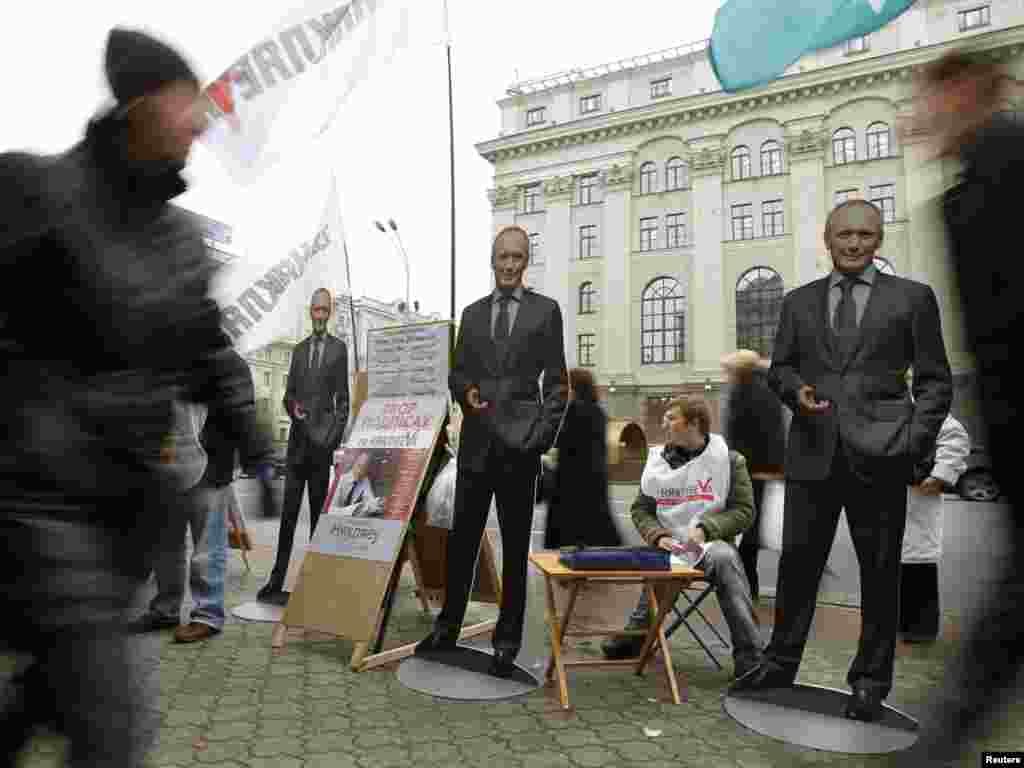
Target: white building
668, 218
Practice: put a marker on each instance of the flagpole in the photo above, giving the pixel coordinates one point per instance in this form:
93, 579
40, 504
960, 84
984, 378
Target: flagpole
451, 149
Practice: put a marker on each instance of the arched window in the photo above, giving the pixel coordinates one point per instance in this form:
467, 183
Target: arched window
884, 266
648, 178
662, 322
844, 146
878, 140
758, 305
771, 158
675, 174
588, 299
741, 163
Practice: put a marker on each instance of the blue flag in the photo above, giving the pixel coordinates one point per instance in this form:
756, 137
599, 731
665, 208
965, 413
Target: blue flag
755, 40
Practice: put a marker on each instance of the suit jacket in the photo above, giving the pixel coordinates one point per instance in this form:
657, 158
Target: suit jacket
522, 417
883, 432
323, 394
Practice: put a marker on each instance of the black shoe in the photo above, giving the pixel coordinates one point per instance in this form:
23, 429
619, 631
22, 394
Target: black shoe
438, 641
764, 676
269, 592
150, 622
503, 664
917, 638
865, 704
623, 646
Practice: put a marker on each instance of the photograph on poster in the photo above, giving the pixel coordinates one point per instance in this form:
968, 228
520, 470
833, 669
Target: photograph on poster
365, 479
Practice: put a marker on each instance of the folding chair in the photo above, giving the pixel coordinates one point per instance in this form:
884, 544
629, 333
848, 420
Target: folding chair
682, 619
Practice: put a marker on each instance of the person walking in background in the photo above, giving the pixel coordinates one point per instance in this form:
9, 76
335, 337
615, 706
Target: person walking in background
755, 426
579, 513
317, 401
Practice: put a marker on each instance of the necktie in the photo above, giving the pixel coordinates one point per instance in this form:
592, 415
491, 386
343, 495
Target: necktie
501, 326
845, 320
351, 493
317, 344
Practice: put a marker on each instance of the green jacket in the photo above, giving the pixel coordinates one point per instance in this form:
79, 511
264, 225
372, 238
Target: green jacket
726, 524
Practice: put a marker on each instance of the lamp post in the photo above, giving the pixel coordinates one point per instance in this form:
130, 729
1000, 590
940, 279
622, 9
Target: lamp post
401, 250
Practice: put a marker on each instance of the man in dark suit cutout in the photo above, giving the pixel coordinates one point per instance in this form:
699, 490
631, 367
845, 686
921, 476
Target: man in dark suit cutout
317, 401
506, 341
842, 348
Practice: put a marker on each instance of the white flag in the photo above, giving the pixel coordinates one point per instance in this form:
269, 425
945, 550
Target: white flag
311, 61
264, 295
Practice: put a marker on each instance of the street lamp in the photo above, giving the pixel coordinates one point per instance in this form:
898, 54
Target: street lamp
405, 256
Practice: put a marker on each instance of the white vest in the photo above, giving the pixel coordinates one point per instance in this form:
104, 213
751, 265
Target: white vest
689, 492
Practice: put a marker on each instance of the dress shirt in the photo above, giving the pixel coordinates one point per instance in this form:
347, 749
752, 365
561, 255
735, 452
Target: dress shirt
513, 308
861, 291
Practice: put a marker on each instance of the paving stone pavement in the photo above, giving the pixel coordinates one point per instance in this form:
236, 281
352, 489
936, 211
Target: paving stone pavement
233, 701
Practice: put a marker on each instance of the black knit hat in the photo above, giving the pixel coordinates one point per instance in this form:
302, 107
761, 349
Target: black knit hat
137, 64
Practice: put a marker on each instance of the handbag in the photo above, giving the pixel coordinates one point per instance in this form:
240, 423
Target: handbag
615, 558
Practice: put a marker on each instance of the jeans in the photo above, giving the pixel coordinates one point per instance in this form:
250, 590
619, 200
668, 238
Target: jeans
724, 570
207, 517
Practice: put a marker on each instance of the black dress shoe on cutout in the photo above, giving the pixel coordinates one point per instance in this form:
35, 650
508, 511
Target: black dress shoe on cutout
764, 676
438, 641
269, 592
865, 704
503, 664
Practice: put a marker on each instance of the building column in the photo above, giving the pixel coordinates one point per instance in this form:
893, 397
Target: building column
616, 344
705, 289
558, 250
805, 147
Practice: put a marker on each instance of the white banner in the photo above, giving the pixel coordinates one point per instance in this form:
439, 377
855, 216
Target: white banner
312, 60
396, 423
365, 538
263, 296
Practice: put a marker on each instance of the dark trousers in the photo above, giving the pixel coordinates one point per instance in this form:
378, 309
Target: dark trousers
750, 543
876, 515
512, 483
316, 474
919, 600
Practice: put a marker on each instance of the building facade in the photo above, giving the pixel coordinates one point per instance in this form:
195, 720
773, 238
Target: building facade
669, 218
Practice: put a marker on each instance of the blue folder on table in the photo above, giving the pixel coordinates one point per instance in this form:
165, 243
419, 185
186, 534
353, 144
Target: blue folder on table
615, 559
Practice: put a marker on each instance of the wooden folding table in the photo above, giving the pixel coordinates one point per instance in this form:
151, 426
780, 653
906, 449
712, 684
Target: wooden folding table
662, 588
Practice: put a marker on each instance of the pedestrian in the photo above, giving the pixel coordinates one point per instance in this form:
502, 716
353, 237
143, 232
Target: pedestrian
579, 512
507, 342
755, 426
841, 351
89, 403
317, 401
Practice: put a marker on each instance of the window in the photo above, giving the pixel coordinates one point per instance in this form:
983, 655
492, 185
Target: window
842, 195
743, 222
758, 306
588, 241
536, 253
675, 174
662, 322
884, 196
844, 146
771, 158
771, 218
662, 87
534, 116
282, 435
878, 140
266, 378
586, 186
740, 163
590, 104
588, 299
585, 346
884, 266
973, 18
857, 45
531, 198
284, 381
649, 234
675, 230
648, 178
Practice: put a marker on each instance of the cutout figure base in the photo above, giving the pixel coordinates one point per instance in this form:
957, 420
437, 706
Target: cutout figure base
813, 716
462, 675
258, 610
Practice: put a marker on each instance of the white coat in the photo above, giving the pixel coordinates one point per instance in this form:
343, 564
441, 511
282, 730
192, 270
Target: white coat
922, 541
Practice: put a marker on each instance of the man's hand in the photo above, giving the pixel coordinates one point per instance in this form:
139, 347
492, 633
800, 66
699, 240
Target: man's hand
931, 486
298, 411
697, 536
806, 398
473, 400
669, 544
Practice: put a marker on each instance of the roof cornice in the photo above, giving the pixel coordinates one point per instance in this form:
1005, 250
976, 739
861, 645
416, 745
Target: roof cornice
848, 76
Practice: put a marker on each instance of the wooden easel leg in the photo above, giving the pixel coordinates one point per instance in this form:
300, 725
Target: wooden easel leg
279, 635
358, 654
417, 572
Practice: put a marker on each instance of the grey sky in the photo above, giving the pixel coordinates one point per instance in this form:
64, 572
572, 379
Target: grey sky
390, 152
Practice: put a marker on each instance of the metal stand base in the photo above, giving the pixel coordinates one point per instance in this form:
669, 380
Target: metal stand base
462, 675
257, 610
813, 716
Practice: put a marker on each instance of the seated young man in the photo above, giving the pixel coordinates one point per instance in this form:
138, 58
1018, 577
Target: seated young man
696, 490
